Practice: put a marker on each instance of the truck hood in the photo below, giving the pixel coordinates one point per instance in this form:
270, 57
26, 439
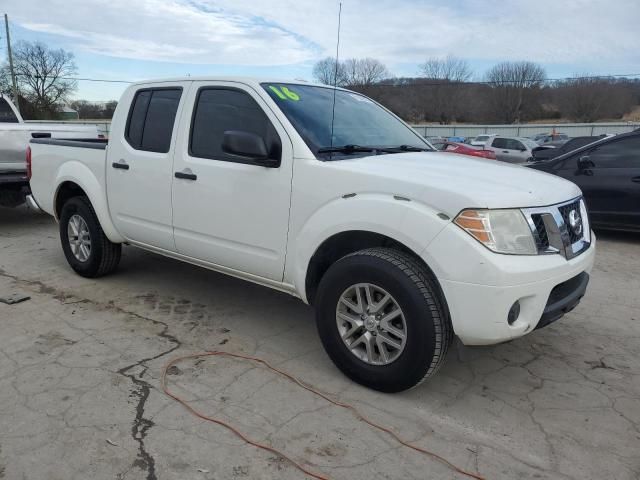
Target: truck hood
453, 182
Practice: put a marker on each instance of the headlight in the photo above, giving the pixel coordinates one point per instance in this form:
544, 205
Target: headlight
502, 231
586, 228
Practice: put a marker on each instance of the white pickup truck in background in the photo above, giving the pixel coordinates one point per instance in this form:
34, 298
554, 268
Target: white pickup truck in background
15, 134
326, 195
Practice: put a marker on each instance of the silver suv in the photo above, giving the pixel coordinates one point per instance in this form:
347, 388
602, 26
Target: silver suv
512, 149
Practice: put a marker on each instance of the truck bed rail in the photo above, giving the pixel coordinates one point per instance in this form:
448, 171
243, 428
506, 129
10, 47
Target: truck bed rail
96, 143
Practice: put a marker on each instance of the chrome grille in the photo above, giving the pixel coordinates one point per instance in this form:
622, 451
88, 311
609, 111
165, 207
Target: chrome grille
565, 211
562, 228
542, 240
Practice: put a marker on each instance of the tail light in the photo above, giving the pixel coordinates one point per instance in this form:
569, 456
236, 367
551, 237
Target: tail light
29, 163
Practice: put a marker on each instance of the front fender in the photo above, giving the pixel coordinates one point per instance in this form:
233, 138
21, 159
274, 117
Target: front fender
81, 175
408, 222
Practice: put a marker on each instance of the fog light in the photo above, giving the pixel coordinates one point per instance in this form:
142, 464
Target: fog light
514, 313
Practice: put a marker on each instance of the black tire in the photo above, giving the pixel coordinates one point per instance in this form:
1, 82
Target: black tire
104, 255
429, 330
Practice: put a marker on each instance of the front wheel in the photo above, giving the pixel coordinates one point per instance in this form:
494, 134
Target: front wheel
87, 249
382, 319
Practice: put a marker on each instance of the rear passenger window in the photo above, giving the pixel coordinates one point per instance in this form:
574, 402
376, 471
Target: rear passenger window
151, 119
218, 110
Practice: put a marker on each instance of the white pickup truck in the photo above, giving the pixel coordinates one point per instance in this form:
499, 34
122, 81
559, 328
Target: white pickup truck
343, 205
15, 134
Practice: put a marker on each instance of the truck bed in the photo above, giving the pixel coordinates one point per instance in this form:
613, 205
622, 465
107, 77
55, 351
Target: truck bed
52, 162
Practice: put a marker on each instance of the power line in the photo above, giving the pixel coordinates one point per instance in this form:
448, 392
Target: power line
427, 81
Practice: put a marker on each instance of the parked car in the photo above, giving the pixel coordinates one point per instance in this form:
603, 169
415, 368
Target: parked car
553, 149
462, 149
399, 247
482, 140
437, 142
14, 139
552, 137
456, 139
512, 149
608, 173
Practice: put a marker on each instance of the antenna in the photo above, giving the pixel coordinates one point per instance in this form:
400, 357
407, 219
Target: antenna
335, 74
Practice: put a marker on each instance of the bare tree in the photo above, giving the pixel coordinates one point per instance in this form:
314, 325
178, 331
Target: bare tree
444, 95
325, 72
451, 69
588, 98
43, 75
513, 86
363, 72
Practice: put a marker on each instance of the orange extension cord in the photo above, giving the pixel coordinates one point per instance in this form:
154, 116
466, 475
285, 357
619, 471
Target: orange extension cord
268, 448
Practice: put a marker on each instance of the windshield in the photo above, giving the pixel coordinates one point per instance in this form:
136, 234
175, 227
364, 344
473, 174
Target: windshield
529, 143
359, 121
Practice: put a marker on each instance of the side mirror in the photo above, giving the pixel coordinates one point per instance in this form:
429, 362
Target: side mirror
584, 163
248, 145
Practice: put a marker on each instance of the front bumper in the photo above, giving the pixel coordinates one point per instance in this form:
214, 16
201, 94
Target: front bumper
480, 287
564, 298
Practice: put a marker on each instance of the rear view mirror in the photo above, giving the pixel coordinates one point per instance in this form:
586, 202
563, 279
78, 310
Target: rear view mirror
585, 163
249, 145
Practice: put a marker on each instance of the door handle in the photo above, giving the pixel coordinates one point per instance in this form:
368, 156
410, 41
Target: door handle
636, 179
505, 151
121, 164
186, 174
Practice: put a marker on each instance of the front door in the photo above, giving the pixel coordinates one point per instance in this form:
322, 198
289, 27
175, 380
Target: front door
228, 210
140, 164
610, 181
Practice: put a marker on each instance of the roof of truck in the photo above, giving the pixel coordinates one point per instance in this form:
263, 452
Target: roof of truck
255, 81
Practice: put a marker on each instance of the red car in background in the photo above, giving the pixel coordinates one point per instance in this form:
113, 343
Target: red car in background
464, 149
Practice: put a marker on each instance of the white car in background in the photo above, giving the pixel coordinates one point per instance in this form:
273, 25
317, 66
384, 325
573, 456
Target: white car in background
15, 134
512, 149
482, 140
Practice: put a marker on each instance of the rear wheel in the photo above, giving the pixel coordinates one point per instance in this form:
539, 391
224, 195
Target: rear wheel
87, 249
382, 319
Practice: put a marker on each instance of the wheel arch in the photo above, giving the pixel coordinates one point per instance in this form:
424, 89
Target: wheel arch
346, 242
78, 180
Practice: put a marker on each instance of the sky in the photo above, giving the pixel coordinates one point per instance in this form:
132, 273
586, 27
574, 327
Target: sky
140, 39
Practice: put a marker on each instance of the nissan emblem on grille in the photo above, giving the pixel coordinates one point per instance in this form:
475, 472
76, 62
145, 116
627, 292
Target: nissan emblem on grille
575, 222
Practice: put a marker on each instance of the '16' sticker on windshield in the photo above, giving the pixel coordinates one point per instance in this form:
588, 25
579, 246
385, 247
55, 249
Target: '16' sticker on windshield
284, 93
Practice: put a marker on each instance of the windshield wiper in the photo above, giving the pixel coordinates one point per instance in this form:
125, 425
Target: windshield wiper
347, 149
404, 148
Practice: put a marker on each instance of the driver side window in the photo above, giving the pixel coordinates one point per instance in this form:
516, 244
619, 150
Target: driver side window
624, 153
221, 109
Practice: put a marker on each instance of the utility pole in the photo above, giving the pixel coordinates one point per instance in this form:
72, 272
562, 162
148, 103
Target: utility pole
16, 100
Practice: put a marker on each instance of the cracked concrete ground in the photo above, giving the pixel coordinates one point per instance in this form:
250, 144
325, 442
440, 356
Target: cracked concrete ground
80, 364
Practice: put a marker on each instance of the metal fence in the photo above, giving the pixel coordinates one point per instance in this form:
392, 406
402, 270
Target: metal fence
527, 130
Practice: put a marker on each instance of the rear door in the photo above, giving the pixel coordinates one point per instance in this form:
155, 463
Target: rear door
499, 146
229, 211
140, 164
611, 185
